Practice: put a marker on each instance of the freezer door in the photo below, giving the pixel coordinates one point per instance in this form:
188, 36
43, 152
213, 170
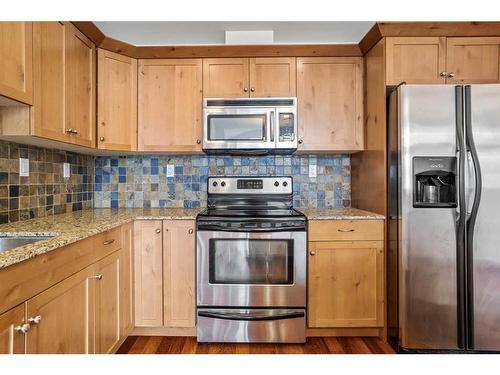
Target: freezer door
427, 236
484, 234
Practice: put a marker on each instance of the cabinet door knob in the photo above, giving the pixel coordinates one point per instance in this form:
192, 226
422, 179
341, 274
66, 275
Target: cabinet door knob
301, 141
252, 89
158, 231
35, 319
75, 131
451, 75
312, 252
97, 277
23, 328
101, 139
69, 130
190, 231
245, 89
198, 141
443, 74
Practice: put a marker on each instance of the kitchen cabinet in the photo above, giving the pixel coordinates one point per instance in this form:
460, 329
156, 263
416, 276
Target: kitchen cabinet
107, 296
473, 60
415, 60
13, 331
127, 280
243, 77
169, 105
330, 104
64, 76
148, 273
63, 316
179, 273
346, 274
16, 46
117, 102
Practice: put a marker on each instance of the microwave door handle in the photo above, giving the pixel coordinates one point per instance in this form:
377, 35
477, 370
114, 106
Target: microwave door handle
271, 125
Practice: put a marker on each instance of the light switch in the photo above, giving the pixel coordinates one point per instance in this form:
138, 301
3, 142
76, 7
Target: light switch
312, 171
24, 167
170, 170
66, 170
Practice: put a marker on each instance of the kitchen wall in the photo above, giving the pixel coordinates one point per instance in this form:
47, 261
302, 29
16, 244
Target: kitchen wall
45, 192
141, 180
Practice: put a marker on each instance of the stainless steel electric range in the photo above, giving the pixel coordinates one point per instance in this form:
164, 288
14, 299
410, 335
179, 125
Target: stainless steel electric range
251, 262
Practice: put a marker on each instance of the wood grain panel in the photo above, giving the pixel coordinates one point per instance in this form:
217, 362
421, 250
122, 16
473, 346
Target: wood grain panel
11, 340
346, 230
272, 77
117, 102
127, 280
226, 78
423, 29
169, 109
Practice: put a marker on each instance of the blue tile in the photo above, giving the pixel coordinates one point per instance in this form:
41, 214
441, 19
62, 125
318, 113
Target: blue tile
195, 187
122, 179
98, 179
163, 203
154, 170
98, 187
114, 204
154, 162
114, 162
179, 170
105, 179
122, 171
114, 195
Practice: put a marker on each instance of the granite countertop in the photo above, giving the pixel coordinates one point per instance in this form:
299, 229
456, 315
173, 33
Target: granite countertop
75, 226
340, 214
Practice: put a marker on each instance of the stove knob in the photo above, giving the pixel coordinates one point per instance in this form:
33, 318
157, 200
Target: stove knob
222, 184
276, 183
214, 184
285, 184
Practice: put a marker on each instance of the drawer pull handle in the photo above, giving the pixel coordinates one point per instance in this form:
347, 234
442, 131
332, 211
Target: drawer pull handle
345, 230
108, 242
23, 328
35, 319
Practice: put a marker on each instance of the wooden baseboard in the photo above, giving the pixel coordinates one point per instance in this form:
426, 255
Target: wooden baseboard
163, 331
316, 332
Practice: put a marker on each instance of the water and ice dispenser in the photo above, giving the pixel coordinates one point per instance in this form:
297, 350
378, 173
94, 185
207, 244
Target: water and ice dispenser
435, 182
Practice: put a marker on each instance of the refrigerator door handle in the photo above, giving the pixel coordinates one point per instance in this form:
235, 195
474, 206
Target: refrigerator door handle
470, 183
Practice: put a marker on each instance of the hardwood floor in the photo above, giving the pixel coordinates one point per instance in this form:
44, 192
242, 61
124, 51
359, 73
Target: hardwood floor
313, 345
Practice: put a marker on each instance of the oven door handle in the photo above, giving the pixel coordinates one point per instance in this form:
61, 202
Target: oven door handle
217, 228
250, 316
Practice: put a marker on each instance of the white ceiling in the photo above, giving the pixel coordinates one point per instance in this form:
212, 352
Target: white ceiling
210, 33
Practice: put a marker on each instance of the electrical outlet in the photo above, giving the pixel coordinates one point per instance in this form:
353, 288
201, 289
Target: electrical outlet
170, 170
24, 167
312, 171
66, 170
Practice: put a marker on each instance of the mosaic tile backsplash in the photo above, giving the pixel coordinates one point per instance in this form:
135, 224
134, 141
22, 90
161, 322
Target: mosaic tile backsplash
44, 192
141, 180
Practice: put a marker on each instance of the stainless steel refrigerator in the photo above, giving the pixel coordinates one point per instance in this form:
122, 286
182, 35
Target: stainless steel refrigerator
444, 218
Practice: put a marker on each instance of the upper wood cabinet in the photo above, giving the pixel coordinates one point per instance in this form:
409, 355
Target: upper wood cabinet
415, 60
12, 339
169, 105
330, 104
66, 313
243, 77
64, 76
179, 297
16, 61
80, 90
117, 102
148, 273
473, 60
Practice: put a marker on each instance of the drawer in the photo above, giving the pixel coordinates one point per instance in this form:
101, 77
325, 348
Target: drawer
346, 230
108, 241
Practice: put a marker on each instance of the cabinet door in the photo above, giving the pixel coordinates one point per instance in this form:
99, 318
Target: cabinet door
179, 273
330, 103
108, 303
66, 313
12, 340
49, 46
80, 87
148, 273
169, 109
273, 76
225, 78
415, 60
472, 60
117, 102
346, 284
16, 61
126, 277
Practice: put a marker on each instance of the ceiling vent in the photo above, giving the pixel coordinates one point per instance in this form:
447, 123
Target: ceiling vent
250, 37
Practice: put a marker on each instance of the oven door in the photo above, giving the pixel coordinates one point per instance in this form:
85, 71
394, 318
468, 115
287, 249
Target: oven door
242, 269
238, 128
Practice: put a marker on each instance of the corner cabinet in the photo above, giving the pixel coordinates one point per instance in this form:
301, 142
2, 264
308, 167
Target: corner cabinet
16, 63
117, 102
330, 104
169, 105
346, 274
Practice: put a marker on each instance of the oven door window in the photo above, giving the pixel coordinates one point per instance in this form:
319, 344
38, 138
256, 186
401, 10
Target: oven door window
235, 127
251, 261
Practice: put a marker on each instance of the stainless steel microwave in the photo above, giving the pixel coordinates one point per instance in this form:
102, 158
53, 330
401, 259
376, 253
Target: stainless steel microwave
250, 125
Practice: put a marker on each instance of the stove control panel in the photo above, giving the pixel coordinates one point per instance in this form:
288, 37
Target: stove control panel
250, 185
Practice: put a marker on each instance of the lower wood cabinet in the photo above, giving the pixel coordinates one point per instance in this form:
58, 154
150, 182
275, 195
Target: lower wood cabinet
12, 337
164, 273
346, 276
